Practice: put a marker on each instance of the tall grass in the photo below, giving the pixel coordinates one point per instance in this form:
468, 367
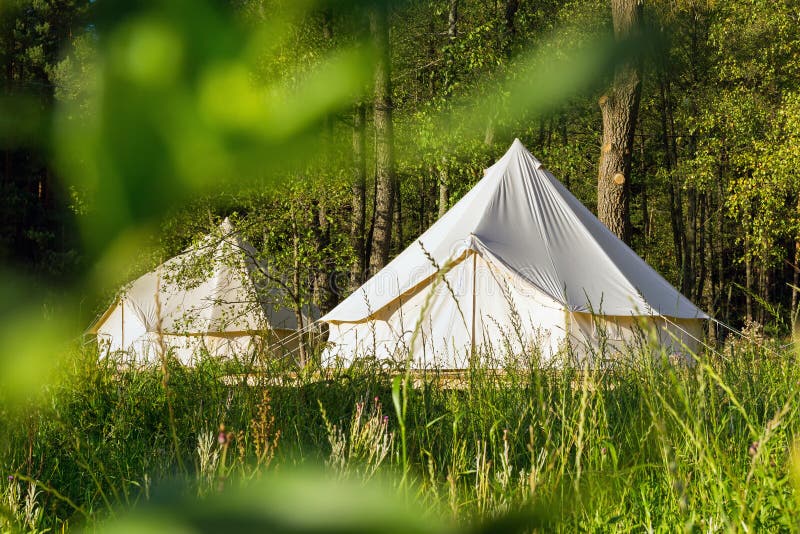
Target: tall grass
642, 445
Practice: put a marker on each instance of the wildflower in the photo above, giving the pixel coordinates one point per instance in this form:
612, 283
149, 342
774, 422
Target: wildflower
603, 451
753, 449
385, 419
10, 478
222, 438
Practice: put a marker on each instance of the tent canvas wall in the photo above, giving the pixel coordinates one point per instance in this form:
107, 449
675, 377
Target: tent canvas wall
212, 299
518, 262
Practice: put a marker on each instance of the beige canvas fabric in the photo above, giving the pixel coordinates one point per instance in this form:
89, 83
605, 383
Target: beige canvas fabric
207, 300
533, 260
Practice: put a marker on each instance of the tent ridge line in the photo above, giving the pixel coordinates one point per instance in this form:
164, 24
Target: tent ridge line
548, 180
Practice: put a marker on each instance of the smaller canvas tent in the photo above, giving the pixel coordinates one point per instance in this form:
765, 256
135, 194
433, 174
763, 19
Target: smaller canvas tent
517, 263
211, 299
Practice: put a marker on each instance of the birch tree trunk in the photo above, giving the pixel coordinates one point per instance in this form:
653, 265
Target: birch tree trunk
444, 193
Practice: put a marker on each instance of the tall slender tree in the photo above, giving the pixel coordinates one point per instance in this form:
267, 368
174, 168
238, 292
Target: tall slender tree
384, 141
323, 290
359, 198
619, 106
452, 33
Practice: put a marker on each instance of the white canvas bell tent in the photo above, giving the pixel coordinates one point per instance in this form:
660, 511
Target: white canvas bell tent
517, 263
213, 299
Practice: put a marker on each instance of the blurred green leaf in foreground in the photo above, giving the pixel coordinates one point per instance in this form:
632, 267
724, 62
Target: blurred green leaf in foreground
177, 110
303, 502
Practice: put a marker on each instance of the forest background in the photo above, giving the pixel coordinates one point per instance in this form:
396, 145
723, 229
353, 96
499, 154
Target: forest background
331, 184
333, 134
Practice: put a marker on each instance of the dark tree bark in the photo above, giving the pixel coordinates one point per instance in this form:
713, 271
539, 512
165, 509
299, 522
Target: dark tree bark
384, 142
323, 290
397, 232
359, 199
327, 23
720, 250
689, 244
795, 270
795, 281
619, 107
9, 72
674, 194
302, 358
511, 8
645, 207
748, 278
324, 295
699, 254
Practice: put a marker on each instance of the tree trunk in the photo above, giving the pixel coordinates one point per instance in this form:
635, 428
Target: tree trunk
712, 284
721, 251
764, 290
296, 297
444, 193
384, 142
619, 108
511, 8
795, 280
397, 233
645, 208
452, 21
432, 56
689, 238
9, 90
359, 199
324, 295
450, 72
748, 278
327, 23
699, 254
675, 207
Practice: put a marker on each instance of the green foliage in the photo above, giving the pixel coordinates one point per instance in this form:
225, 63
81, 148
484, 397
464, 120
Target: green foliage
178, 114
766, 195
146, 123
642, 446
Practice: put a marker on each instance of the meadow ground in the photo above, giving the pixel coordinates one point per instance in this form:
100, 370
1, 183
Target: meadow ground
641, 445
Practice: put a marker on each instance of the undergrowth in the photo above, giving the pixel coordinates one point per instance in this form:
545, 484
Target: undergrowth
640, 445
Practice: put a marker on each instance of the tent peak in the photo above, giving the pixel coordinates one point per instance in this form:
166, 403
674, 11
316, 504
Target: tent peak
226, 225
517, 147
